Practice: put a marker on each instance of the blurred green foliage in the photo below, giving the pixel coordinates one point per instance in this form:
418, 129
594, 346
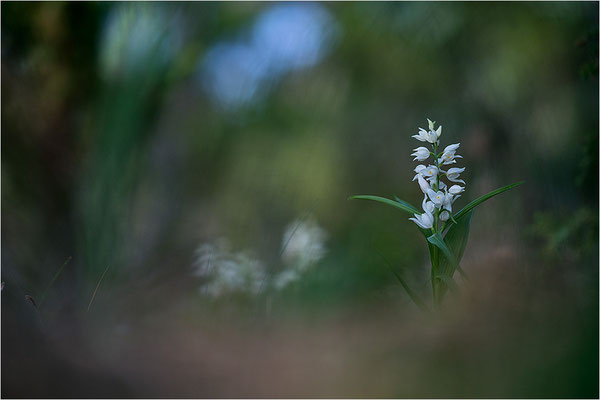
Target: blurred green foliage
114, 147
502, 79
572, 236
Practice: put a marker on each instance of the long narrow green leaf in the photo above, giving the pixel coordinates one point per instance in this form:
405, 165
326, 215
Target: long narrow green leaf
437, 240
407, 204
447, 272
404, 206
456, 239
400, 204
483, 198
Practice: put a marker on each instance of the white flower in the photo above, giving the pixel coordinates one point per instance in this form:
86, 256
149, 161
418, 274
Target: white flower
302, 246
421, 136
456, 189
454, 173
428, 206
449, 155
419, 169
438, 132
439, 195
303, 243
425, 220
433, 180
423, 184
433, 131
448, 200
421, 153
426, 136
444, 215
223, 271
451, 147
430, 171
286, 277
438, 198
431, 124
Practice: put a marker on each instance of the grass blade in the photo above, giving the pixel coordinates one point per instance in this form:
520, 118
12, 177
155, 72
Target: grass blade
54, 279
97, 286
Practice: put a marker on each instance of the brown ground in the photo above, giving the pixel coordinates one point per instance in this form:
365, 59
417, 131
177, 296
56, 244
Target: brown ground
494, 341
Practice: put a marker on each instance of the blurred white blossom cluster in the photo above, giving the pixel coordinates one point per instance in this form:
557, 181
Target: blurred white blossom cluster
224, 271
303, 245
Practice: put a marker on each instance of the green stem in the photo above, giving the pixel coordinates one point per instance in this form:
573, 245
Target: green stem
435, 262
437, 165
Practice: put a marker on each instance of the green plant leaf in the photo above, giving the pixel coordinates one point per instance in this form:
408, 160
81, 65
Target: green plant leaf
403, 205
400, 204
407, 204
437, 240
483, 198
456, 239
448, 264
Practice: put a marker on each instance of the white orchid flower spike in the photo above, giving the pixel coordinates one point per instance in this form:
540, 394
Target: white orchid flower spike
446, 232
439, 196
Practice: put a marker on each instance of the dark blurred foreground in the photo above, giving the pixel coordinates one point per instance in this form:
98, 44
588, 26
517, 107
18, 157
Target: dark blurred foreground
506, 336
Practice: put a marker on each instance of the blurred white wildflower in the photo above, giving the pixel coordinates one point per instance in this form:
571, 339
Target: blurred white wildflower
228, 272
225, 271
303, 245
285, 277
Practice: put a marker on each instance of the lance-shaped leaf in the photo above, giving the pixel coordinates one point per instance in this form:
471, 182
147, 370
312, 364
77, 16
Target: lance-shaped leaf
445, 272
402, 205
407, 204
483, 198
437, 240
456, 239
